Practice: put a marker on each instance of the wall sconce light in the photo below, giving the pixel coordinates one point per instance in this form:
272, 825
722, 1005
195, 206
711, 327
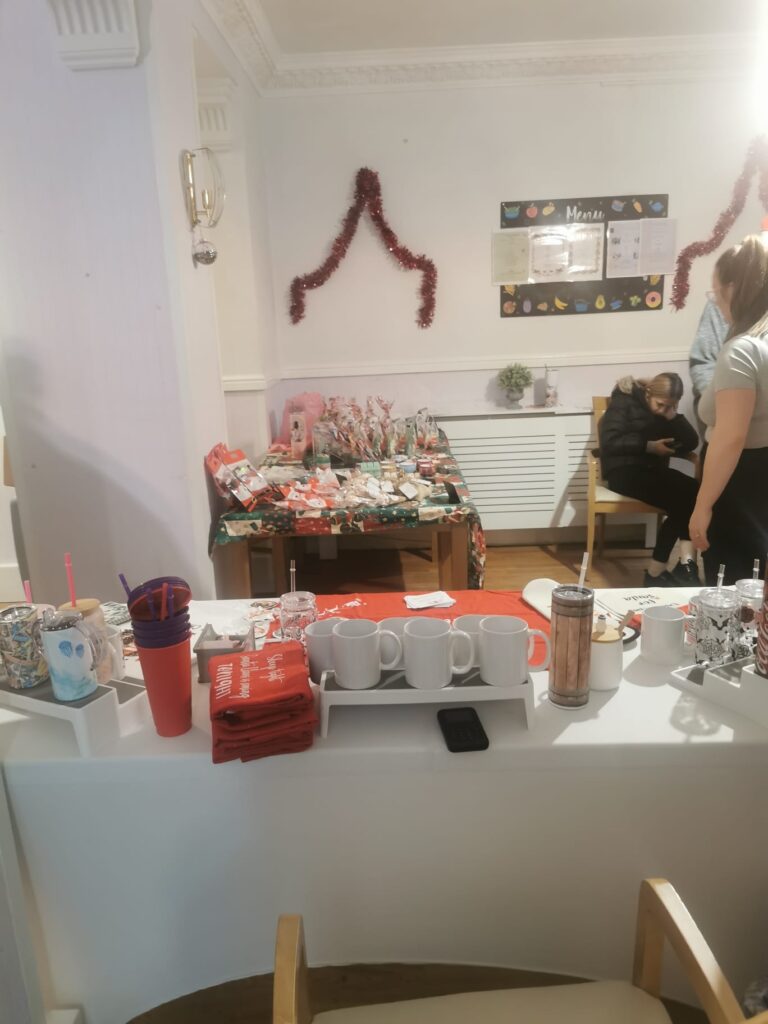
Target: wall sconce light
204, 196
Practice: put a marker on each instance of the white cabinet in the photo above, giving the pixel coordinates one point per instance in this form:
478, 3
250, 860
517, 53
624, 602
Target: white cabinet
524, 470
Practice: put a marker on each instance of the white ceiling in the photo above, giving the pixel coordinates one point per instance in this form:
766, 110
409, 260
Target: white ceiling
318, 26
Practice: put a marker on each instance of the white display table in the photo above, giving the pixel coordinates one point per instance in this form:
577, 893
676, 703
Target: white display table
155, 873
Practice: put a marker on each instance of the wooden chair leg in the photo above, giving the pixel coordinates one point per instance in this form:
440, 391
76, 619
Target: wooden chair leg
601, 535
590, 539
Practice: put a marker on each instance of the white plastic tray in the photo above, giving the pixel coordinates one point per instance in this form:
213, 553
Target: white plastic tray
393, 689
116, 709
735, 686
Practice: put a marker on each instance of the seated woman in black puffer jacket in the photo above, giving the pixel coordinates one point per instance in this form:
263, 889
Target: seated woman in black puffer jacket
640, 430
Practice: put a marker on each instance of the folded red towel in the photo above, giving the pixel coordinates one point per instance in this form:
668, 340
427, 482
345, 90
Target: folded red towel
252, 683
261, 703
265, 742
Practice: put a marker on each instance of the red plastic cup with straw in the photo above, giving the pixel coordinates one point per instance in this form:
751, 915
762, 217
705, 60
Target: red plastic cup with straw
70, 579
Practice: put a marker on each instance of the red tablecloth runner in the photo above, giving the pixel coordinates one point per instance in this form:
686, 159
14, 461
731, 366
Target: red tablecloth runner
468, 602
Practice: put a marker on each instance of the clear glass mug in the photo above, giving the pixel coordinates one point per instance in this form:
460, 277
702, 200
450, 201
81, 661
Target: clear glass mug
717, 626
297, 610
750, 594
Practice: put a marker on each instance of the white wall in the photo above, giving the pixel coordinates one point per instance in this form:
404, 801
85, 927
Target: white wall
110, 369
446, 159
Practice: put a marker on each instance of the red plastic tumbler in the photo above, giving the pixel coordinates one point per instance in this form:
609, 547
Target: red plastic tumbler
168, 679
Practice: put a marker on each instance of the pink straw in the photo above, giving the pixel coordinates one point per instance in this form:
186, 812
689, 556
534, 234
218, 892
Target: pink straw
164, 604
28, 591
70, 579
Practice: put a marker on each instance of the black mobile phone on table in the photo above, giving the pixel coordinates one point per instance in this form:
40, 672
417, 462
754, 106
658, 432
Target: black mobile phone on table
462, 730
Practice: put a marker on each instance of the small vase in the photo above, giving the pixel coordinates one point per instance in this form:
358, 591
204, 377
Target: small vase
514, 395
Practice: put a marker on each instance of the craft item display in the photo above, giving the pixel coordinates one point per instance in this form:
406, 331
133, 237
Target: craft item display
71, 653
367, 195
354, 505
755, 166
606, 658
234, 475
261, 703
554, 258
20, 646
506, 650
571, 640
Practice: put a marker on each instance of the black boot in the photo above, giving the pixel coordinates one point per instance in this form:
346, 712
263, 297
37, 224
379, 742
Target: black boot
686, 574
664, 579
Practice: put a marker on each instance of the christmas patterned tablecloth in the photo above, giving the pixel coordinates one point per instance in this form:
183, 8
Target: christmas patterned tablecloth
271, 520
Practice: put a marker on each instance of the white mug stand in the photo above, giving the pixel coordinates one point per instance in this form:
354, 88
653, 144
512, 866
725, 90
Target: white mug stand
393, 689
735, 685
116, 709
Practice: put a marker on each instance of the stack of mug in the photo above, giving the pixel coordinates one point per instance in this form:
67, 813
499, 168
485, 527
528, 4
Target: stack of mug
429, 651
160, 620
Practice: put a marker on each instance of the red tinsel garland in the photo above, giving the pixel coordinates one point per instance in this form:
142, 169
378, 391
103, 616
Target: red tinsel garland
756, 163
367, 193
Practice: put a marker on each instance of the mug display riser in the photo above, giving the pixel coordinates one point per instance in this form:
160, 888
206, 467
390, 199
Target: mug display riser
736, 686
393, 689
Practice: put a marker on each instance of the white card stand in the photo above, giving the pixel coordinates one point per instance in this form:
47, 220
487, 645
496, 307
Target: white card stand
735, 685
393, 689
116, 709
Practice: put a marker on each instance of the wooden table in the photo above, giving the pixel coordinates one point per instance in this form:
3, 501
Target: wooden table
458, 543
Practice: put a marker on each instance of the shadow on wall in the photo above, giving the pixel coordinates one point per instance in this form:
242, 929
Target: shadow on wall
75, 496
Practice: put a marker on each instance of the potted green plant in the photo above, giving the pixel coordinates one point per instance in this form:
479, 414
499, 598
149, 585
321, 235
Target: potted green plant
514, 379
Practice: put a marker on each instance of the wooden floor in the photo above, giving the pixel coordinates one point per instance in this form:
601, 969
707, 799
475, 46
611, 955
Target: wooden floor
365, 570
249, 1001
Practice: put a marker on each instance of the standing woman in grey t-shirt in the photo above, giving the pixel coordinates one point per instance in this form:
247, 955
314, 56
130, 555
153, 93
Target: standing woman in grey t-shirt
730, 520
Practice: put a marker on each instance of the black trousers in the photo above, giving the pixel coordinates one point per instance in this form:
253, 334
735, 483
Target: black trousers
738, 533
667, 489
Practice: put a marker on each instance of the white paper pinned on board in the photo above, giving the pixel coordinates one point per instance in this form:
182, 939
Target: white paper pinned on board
639, 248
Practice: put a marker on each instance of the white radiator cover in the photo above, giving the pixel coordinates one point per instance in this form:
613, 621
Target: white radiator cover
524, 470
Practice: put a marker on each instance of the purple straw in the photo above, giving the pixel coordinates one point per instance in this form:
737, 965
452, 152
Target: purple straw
126, 588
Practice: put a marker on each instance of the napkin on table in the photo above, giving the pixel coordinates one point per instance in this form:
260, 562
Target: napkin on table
437, 599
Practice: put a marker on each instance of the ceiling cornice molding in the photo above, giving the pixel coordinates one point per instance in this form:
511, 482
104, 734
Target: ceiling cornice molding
618, 61
214, 110
95, 34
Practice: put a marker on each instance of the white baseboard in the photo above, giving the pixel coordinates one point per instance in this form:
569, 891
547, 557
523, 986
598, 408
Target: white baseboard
11, 588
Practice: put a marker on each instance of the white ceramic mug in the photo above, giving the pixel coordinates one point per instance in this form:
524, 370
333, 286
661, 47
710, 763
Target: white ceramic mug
471, 624
606, 662
506, 649
394, 625
429, 653
356, 651
662, 637
318, 636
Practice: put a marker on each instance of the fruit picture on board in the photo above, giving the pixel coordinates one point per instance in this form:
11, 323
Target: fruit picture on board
580, 298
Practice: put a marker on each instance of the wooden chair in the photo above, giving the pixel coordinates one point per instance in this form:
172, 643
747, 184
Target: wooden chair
601, 500
661, 915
